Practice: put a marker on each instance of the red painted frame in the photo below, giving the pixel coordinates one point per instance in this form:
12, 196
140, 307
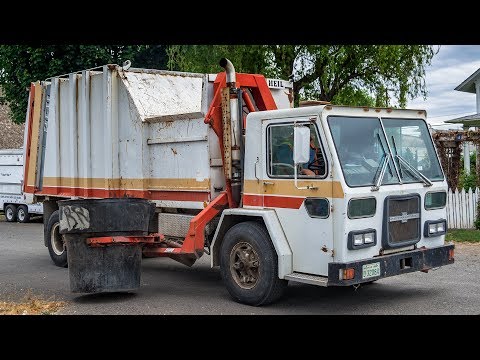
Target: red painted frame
261, 95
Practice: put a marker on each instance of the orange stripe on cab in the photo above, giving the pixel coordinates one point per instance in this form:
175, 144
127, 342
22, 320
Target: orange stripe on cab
284, 202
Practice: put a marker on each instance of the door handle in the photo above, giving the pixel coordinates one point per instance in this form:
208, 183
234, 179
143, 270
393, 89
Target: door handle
268, 183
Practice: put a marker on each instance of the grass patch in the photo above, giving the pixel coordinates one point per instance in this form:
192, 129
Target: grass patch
30, 305
463, 235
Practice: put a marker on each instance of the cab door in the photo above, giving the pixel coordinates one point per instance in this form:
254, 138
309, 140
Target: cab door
304, 213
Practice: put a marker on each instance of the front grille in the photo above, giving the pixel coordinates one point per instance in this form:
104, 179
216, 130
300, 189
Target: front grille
402, 223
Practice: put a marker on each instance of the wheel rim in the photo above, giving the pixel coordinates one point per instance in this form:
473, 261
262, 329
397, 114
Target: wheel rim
21, 215
244, 265
9, 214
58, 244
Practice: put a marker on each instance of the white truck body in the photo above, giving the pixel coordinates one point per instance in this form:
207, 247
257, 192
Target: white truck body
136, 132
11, 182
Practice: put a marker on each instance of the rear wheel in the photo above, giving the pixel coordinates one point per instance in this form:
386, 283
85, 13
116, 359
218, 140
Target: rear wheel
55, 241
11, 213
249, 266
22, 214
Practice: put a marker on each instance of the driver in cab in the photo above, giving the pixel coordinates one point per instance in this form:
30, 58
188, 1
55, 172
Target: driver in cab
314, 160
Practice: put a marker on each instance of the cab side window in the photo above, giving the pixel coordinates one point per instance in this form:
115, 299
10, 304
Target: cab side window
280, 153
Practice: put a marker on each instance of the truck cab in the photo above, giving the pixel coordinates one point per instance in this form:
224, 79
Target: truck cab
366, 201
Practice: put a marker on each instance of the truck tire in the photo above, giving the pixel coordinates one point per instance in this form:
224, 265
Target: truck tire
249, 265
22, 214
55, 241
11, 213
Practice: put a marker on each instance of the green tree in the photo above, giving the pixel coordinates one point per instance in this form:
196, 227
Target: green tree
20, 65
205, 58
352, 96
387, 72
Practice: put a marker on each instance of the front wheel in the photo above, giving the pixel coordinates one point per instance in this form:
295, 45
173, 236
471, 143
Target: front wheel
22, 214
55, 241
249, 266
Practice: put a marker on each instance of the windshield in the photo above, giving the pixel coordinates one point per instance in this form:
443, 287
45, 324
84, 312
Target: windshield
411, 140
362, 150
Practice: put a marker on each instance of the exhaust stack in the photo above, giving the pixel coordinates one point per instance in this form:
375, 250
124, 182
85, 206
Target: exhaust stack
230, 70
232, 134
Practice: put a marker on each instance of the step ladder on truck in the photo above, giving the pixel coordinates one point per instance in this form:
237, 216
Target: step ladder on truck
149, 163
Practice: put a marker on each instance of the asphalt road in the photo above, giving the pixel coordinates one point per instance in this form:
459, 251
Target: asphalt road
172, 288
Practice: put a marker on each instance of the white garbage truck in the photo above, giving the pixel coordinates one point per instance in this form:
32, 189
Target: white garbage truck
147, 163
14, 203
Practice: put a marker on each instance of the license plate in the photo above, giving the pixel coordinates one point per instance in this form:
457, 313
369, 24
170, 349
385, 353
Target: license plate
370, 270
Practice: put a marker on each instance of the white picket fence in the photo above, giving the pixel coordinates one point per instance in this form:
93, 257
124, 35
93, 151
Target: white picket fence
461, 209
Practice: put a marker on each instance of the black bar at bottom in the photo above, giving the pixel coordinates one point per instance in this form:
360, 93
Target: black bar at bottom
391, 265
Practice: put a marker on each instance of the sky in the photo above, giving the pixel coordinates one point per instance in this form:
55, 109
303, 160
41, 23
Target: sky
449, 68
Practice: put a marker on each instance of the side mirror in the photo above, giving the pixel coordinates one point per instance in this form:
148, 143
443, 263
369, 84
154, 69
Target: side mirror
301, 144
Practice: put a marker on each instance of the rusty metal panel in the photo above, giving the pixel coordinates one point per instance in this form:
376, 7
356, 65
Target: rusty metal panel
66, 128
35, 145
179, 149
165, 96
52, 154
132, 138
97, 130
227, 145
84, 128
72, 135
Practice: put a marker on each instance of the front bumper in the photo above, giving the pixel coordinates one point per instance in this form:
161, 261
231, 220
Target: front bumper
390, 265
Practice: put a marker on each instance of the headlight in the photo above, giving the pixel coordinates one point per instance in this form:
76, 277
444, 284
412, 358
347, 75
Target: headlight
357, 239
360, 208
435, 200
368, 238
441, 227
361, 239
435, 228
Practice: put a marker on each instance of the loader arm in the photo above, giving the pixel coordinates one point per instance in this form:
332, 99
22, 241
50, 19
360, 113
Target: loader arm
261, 99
